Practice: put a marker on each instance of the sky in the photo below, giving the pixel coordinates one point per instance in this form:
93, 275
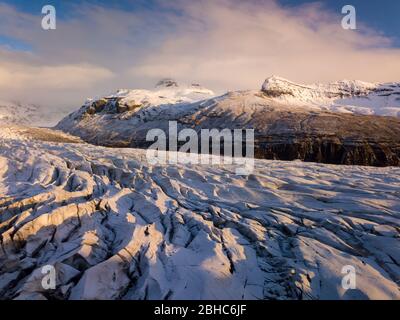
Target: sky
100, 46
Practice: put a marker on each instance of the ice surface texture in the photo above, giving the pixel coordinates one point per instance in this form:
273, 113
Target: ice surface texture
116, 227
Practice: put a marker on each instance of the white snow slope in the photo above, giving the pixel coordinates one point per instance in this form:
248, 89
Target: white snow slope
116, 227
13, 113
348, 96
166, 92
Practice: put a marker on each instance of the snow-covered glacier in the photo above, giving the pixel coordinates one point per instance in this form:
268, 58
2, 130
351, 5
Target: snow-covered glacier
116, 227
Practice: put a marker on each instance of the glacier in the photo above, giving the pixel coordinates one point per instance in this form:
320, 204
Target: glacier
116, 227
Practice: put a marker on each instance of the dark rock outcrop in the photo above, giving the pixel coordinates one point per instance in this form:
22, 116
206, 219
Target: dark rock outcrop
329, 150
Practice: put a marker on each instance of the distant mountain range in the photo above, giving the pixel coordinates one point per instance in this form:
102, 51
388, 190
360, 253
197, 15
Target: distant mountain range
346, 122
16, 113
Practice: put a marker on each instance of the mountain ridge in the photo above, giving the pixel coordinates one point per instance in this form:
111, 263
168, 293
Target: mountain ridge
284, 129
346, 96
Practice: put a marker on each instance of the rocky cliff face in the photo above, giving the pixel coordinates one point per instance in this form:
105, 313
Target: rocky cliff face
284, 130
329, 150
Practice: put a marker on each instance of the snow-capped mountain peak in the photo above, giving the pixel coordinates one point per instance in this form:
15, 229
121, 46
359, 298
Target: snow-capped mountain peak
278, 85
348, 96
166, 92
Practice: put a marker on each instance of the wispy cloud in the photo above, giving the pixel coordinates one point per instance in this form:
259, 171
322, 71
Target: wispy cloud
222, 44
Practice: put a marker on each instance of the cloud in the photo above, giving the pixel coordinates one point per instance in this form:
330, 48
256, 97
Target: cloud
223, 44
25, 78
236, 45
60, 77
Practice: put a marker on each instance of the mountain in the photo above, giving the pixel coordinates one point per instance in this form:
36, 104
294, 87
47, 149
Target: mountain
114, 226
290, 121
15, 113
345, 96
167, 92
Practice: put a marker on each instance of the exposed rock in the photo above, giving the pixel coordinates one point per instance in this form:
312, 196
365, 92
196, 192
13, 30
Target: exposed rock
97, 106
167, 83
127, 106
